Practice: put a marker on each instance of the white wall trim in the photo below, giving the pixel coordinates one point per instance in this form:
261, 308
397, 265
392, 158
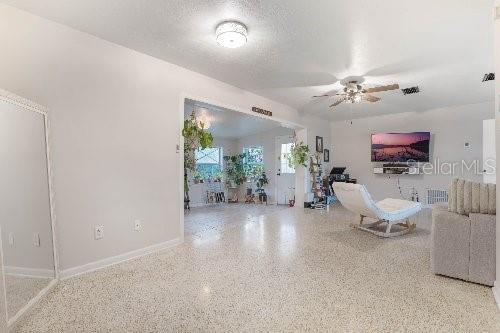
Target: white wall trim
496, 293
30, 272
106, 262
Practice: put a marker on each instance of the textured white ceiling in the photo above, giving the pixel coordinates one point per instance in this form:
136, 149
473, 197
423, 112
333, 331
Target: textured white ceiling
229, 124
299, 48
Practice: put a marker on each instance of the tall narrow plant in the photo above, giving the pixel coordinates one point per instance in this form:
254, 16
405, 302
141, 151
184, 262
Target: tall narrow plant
195, 137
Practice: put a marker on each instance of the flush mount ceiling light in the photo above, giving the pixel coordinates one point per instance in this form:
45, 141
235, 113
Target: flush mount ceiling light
231, 34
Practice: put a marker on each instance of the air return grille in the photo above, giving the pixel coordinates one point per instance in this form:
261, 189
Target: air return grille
411, 90
436, 196
488, 77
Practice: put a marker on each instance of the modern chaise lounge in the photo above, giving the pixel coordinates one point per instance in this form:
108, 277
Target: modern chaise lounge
356, 198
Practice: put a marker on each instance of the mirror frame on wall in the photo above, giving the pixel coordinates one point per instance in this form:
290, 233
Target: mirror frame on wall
5, 322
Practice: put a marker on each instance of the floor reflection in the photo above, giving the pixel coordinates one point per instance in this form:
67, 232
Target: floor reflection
288, 239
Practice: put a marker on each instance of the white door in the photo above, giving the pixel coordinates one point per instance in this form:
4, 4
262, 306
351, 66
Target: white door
489, 152
285, 176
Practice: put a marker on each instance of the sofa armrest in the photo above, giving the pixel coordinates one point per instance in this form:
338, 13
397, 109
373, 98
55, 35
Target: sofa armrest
450, 234
482, 248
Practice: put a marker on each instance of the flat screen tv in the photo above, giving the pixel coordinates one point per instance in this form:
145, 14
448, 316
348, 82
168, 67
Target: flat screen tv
400, 147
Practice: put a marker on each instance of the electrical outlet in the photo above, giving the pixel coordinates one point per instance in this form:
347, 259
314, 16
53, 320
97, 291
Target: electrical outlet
99, 232
137, 225
11, 238
36, 239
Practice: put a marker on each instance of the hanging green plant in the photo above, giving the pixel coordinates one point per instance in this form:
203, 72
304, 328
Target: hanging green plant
298, 155
195, 137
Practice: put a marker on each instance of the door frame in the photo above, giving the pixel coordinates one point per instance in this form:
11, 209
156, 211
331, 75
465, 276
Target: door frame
278, 165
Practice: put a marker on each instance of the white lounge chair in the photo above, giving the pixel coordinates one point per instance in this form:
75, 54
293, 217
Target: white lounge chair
356, 198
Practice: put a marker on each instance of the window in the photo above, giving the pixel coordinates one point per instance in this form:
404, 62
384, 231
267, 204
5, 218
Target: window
254, 160
208, 162
285, 152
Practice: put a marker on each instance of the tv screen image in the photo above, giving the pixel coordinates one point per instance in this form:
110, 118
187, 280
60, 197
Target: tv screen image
401, 147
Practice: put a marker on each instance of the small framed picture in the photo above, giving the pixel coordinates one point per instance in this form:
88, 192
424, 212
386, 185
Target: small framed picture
319, 144
326, 155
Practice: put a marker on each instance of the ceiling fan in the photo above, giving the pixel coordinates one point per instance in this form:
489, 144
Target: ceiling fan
353, 92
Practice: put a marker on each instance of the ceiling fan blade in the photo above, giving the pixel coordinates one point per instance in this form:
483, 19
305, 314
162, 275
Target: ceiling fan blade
340, 100
371, 98
326, 95
381, 88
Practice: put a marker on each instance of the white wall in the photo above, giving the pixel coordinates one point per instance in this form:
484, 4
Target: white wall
24, 195
450, 127
116, 118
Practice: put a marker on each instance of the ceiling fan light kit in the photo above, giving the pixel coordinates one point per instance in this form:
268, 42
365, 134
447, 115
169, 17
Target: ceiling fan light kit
353, 92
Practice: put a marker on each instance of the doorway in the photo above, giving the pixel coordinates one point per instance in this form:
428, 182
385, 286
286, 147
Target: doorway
215, 200
285, 175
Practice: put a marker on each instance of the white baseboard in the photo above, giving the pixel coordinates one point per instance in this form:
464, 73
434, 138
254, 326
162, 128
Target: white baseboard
202, 204
198, 205
496, 293
30, 272
99, 264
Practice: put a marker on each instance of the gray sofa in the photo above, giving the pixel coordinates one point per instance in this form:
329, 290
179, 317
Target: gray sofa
463, 234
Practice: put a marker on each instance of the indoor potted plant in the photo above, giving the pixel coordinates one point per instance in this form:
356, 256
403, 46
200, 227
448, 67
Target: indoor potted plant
298, 155
260, 182
234, 171
195, 137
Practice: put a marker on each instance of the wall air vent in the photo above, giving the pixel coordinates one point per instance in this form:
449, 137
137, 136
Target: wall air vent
411, 90
488, 77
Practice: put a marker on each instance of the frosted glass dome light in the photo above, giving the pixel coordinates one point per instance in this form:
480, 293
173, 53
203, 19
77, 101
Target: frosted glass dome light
231, 34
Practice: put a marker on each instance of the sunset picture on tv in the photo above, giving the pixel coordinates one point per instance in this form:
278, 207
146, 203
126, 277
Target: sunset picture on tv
400, 147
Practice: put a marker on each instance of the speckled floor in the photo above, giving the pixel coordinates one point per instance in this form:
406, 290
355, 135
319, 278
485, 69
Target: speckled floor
198, 221
20, 290
288, 270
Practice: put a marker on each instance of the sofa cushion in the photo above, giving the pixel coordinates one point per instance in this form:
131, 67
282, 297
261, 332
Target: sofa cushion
450, 234
467, 197
460, 196
452, 202
475, 197
483, 199
482, 248
492, 198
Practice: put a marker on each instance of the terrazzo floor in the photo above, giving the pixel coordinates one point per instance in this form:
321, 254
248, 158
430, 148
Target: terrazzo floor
287, 270
20, 290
